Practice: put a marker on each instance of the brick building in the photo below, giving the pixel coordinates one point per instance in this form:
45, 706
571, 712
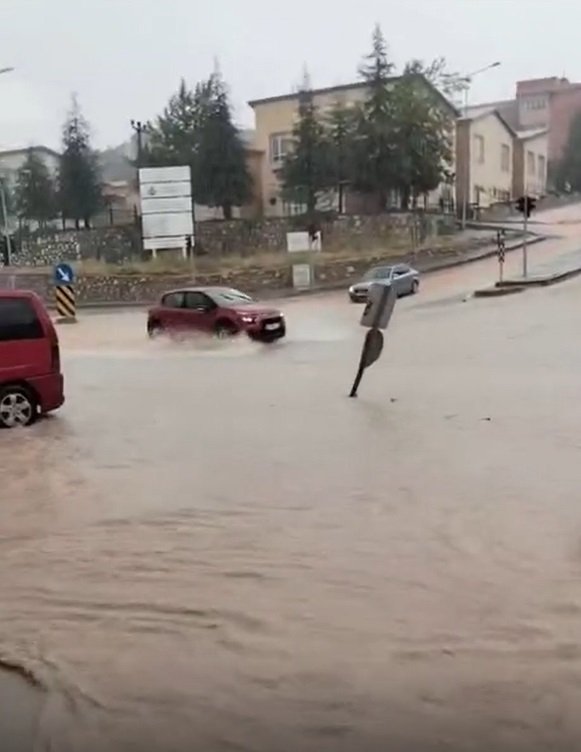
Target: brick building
543, 103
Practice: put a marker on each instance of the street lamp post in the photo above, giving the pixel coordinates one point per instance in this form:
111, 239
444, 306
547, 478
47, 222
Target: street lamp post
466, 192
140, 128
7, 239
4, 203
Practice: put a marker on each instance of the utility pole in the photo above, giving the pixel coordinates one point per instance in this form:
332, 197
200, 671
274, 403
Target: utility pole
3, 201
525, 204
5, 223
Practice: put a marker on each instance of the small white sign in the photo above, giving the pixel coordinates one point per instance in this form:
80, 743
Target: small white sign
175, 205
164, 174
165, 244
302, 276
167, 225
301, 242
165, 190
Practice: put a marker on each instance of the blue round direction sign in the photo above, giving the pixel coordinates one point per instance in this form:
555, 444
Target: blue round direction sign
64, 274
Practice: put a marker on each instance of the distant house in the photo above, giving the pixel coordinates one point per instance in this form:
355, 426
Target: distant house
121, 193
543, 104
497, 162
12, 160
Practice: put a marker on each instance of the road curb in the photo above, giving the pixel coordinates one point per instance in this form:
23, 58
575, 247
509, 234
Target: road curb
497, 292
545, 281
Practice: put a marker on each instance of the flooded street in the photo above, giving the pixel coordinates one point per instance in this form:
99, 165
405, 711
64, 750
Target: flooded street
212, 548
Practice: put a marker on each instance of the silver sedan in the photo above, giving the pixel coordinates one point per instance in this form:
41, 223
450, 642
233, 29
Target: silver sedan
405, 280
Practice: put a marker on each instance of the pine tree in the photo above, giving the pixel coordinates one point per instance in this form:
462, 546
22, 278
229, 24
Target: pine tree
339, 128
79, 184
422, 138
307, 170
220, 172
172, 139
375, 169
35, 190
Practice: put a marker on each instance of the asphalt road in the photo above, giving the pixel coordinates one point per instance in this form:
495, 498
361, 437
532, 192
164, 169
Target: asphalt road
212, 548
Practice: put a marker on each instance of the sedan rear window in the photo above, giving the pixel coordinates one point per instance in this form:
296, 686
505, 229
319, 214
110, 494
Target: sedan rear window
18, 320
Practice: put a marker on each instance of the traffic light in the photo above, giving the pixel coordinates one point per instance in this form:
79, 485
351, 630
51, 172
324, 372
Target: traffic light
526, 205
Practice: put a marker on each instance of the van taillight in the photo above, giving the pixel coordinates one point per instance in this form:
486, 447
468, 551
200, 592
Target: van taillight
55, 358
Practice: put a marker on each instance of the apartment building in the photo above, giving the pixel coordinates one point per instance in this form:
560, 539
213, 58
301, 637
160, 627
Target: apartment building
548, 104
275, 118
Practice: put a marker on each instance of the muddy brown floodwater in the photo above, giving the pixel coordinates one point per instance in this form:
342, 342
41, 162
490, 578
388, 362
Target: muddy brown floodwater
212, 548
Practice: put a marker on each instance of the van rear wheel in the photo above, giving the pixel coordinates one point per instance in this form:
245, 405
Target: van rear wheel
17, 407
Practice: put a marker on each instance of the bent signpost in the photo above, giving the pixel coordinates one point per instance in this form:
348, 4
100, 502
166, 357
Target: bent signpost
376, 316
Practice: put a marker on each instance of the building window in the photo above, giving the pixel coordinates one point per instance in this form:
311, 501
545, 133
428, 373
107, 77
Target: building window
479, 148
505, 158
542, 166
280, 146
530, 162
536, 103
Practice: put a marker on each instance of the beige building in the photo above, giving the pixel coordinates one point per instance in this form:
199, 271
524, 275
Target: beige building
495, 162
484, 158
275, 118
530, 162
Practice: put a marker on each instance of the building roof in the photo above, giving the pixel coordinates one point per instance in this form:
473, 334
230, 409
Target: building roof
25, 150
507, 108
481, 111
524, 135
356, 85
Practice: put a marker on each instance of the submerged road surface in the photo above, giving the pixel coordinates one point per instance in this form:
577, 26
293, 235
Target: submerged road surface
212, 548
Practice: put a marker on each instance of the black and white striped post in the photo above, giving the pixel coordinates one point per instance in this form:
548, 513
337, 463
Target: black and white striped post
66, 304
501, 252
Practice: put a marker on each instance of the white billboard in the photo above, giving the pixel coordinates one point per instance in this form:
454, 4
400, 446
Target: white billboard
166, 207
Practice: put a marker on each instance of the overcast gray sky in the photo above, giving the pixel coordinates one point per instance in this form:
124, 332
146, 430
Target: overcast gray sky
124, 58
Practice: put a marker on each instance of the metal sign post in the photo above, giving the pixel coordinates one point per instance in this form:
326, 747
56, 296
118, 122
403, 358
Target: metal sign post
501, 254
64, 279
377, 314
525, 266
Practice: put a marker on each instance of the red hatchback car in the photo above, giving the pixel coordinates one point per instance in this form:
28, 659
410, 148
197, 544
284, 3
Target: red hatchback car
31, 382
216, 310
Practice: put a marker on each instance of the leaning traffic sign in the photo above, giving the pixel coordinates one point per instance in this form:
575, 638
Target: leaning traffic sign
376, 316
63, 274
379, 306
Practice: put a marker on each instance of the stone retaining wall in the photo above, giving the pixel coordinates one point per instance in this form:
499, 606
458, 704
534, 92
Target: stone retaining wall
236, 237
92, 289
111, 244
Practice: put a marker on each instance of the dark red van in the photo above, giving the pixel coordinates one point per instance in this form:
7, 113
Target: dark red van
31, 382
